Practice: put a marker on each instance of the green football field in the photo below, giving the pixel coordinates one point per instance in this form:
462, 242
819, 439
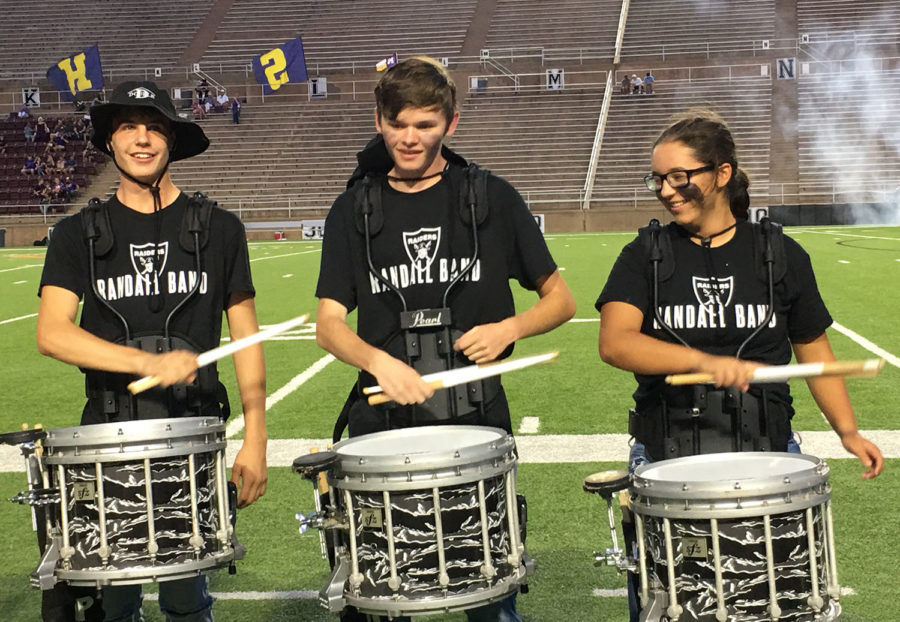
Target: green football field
858, 270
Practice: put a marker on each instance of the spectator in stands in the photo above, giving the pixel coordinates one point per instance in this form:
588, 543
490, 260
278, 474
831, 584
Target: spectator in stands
30, 167
57, 191
202, 89
68, 163
98, 99
221, 101
40, 166
61, 165
648, 83
198, 110
66, 129
63, 189
42, 131
637, 85
626, 85
2, 144
57, 143
24, 113
30, 131
90, 153
70, 187
41, 192
45, 196
79, 129
235, 110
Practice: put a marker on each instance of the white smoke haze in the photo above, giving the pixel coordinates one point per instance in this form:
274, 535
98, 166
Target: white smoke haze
855, 124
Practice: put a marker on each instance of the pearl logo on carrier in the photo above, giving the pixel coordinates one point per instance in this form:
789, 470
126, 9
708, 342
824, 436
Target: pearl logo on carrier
141, 93
422, 246
421, 320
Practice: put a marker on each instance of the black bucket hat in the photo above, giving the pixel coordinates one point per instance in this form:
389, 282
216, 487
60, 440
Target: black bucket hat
189, 137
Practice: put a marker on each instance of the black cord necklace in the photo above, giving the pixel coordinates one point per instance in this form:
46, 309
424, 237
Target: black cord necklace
707, 241
411, 180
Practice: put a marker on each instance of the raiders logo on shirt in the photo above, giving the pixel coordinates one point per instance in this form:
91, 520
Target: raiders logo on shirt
148, 258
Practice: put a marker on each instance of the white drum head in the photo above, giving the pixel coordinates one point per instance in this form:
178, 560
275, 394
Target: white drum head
730, 467
422, 440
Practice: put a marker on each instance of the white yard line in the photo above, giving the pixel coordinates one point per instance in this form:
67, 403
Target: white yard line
868, 345
529, 425
237, 424
619, 592
282, 242
34, 265
622, 592
290, 595
853, 235
316, 250
537, 449
16, 319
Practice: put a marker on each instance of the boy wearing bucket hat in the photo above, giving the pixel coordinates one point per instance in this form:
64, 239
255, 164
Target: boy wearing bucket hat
156, 269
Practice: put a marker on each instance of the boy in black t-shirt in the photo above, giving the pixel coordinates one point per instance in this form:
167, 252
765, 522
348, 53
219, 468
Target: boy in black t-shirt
142, 281
400, 240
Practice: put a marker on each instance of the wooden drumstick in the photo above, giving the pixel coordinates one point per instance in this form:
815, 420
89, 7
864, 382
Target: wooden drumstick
322, 479
211, 356
462, 375
783, 373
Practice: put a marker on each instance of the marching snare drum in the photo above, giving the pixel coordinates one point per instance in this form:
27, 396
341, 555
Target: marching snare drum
737, 537
424, 520
133, 502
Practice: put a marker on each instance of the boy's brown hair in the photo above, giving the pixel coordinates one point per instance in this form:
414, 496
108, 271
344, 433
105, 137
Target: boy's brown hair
420, 82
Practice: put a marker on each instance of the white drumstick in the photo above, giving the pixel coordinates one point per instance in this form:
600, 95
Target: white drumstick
211, 356
783, 373
462, 375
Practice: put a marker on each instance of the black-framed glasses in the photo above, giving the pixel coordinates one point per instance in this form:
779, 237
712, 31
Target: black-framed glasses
676, 179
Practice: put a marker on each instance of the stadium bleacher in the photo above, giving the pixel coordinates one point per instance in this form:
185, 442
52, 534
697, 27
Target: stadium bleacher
292, 152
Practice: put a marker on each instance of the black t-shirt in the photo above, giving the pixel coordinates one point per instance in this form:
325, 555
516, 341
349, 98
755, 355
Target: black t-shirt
128, 277
715, 299
421, 247
145, 266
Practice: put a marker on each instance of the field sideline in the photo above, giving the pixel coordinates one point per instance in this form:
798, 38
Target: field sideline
571, 417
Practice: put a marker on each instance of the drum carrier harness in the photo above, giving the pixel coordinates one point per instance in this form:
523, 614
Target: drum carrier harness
714, 420
427, 335
108, 397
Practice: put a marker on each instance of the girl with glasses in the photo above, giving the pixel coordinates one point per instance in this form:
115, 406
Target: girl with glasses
711, 292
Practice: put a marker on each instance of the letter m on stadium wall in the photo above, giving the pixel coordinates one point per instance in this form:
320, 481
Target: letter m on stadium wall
77, 73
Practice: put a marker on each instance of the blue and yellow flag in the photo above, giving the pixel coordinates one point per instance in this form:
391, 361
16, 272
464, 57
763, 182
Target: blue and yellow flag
285, 64
77, 73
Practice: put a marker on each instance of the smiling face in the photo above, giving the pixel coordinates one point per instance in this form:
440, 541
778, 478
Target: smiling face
702, 205
414, 139
140, 143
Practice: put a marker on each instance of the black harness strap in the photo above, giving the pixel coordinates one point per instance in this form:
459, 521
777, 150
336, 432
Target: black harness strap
427, 345
108, 397
717, 420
